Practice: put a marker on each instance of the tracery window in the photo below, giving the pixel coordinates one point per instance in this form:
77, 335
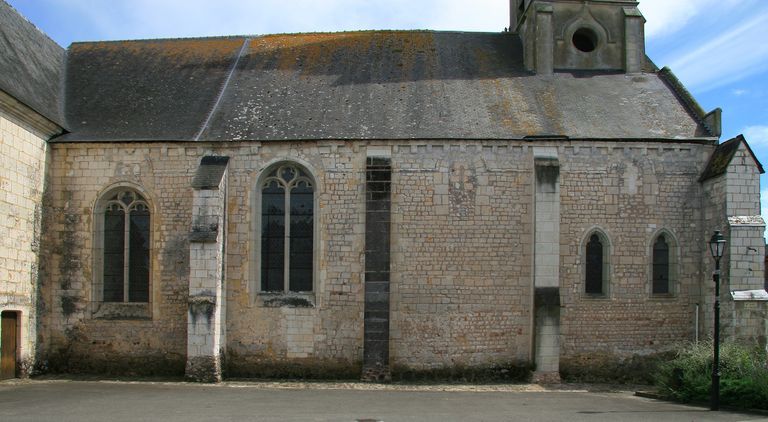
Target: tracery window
287, 227
596, 265
126, 245
661, 266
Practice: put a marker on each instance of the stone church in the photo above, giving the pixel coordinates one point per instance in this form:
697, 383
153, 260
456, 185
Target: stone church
366, 204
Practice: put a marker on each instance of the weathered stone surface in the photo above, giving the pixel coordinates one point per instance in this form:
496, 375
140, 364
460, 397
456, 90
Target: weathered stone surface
23, 155
461, 287
203, 369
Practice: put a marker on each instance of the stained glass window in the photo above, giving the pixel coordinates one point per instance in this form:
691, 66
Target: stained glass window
126, 246
287, 230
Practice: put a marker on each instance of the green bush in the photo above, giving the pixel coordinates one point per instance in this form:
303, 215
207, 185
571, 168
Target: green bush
743, 375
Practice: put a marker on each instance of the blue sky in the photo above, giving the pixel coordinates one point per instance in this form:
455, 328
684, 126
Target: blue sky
718, 48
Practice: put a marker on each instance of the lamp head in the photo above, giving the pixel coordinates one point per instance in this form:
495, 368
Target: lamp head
717, 245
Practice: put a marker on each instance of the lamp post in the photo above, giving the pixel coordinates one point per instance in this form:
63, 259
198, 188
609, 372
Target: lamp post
716, 248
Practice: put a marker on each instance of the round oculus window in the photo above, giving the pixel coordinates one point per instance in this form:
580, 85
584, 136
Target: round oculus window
585, 39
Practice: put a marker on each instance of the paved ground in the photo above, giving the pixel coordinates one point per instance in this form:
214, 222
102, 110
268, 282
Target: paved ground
62, 400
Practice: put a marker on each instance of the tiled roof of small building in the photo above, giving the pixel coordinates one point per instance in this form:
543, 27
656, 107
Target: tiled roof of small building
353, 85
722, 156
31, 65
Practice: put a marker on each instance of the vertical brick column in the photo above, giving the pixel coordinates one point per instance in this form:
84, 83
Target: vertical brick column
206, 325
378, 188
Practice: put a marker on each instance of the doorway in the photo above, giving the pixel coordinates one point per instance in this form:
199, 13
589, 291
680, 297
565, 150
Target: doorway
9, 341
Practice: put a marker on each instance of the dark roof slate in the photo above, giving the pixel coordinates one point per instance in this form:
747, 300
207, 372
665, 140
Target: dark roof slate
722, 156
31, 65
145, 90
352, 85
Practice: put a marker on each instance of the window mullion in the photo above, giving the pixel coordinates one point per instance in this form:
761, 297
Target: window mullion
286, 243
126, 255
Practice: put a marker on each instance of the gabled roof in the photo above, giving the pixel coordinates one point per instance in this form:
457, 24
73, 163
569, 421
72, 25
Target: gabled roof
722, 156
31, 65
352, 85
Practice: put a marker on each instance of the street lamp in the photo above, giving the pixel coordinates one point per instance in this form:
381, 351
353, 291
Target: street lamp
716, 248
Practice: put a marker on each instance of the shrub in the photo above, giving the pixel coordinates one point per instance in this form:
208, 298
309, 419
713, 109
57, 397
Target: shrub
743, 375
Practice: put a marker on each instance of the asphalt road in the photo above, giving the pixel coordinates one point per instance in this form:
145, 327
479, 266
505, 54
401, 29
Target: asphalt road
152, 401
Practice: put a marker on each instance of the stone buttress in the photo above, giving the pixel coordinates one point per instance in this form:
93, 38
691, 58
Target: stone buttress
547, 265
206, 327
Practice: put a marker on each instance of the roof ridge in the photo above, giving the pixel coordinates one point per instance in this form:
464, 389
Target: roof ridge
223, 89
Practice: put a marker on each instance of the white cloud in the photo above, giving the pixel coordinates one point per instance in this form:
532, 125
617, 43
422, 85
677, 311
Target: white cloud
732, 56
665, 17
757, 136
739, 92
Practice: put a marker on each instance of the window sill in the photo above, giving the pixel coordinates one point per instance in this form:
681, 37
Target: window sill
595, 296
285, 300
663, 296
121, 311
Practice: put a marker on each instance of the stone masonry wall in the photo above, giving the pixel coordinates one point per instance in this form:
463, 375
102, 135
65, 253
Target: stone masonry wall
714, 207
462, 255
462, 228
630, 192
261, 338
732, 205
23, 154
744, 321
743, 185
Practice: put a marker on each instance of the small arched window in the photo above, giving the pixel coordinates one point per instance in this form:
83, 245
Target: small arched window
594, 273
596, 265
661, 266
125, 247
287, 230
663, 271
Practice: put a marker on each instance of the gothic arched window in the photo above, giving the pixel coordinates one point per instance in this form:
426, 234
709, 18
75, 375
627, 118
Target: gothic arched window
125, 247
660, 266
663, 268
596, 260
287, 227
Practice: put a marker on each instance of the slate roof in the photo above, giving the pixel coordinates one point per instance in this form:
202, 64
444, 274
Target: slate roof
352, 85
31, 65
722, 156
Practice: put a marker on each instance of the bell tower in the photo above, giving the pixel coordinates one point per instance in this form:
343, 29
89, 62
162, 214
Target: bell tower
579, 34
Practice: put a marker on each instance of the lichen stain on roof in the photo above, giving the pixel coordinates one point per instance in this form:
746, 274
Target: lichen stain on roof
188, 49
550, 111
316, 52
512, 110
352, 85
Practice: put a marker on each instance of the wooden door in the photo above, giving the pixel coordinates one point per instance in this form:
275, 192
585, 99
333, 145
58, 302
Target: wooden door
8, 344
